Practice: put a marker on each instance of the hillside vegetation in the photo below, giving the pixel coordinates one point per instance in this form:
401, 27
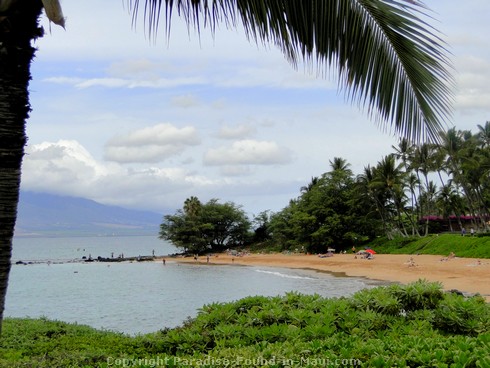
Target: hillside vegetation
462, 246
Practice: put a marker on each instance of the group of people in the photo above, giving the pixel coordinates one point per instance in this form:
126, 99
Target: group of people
363, 254
463, 231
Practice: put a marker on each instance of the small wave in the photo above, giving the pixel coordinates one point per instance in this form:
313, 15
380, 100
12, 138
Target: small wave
275, 273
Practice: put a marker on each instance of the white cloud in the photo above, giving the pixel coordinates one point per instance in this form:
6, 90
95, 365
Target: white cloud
184, 101
275, 75
141, 68
148, 153
219, 75
248, 152
236, 170
236, 131
63, 154
160, 83
473, 83
151, 144
64, 80
65, 167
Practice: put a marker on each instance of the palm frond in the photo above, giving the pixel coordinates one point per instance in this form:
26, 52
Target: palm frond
389, 59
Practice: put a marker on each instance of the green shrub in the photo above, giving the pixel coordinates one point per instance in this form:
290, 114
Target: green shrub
460, 315
378, 300
418, 295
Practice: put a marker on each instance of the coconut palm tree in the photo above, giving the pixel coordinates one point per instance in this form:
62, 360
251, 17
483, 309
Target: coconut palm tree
340, 164
449, 203
388, 179
404, 152
387, 57
192, 206
411, 183
307, 188
423, 162
483, 134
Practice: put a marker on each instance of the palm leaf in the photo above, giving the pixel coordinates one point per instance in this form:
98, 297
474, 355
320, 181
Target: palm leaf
389, 60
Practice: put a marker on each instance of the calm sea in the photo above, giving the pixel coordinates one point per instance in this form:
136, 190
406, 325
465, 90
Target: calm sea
139, 297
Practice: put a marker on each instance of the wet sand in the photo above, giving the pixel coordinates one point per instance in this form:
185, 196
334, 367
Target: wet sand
467, 275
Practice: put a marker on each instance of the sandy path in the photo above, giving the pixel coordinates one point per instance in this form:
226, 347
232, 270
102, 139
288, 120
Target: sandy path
465, 274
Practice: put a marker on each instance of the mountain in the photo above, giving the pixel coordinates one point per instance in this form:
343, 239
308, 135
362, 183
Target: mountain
47, 214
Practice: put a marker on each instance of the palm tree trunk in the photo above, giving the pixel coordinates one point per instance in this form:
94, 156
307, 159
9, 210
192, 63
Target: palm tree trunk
483, 212
410, 216
18, 27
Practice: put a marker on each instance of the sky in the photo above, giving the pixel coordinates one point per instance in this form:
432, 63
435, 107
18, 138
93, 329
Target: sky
128, 121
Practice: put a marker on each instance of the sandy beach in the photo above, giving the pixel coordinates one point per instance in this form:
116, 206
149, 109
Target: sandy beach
468, 275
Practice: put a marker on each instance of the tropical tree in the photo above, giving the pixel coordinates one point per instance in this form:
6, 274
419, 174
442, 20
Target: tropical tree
450, 204
412, 182
214, 227
184, 232
311, 185
390, 60
484, 134
388, 182
333, 213
192, 206
340, 164
423, 162
262, 226
404, 152
464, 158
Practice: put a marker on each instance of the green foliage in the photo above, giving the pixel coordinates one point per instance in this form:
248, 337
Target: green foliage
329, 213
415, 325
417, 295
201, 227
444, 244
262, 229
463, 316
43, 343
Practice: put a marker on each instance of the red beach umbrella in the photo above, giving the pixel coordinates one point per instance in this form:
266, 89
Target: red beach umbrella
370, 251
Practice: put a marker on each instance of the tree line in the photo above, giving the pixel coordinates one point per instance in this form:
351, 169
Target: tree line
415, 190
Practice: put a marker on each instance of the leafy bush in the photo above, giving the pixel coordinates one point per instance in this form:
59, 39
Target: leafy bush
418, 295
456, 314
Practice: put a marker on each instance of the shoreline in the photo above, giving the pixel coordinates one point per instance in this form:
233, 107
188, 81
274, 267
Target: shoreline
467, 275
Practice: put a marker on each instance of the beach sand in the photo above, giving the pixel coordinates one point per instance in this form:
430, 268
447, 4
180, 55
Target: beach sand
467, 275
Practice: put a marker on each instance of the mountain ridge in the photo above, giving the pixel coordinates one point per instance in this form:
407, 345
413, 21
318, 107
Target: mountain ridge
49, 214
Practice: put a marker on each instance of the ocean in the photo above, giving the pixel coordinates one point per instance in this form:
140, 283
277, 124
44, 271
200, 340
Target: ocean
140, 297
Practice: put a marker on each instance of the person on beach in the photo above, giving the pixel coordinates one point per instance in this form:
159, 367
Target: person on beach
353, 249
411, 262
163, 261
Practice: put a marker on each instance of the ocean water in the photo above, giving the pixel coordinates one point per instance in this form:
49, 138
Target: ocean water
140, 297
